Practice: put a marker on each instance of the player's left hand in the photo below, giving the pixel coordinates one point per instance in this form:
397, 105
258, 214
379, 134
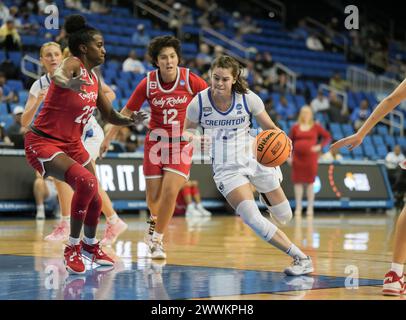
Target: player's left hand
351, 142
139, 117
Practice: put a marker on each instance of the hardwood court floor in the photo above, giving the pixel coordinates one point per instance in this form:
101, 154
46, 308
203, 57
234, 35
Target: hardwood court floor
208, 258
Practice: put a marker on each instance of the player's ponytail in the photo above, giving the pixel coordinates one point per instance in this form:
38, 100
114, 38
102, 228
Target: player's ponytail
79, 32
227, 62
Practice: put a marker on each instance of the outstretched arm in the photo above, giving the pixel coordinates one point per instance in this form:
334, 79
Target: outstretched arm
112, 116
383, 108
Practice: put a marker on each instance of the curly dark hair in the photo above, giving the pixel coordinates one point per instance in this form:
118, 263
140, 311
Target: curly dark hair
158, 43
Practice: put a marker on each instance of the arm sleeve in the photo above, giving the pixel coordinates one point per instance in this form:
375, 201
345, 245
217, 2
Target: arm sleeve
34, 90
197, 84
254, 103
138, 96
193, 110
324, 134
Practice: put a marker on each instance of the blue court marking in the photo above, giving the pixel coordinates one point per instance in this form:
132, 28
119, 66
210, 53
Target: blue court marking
36, 278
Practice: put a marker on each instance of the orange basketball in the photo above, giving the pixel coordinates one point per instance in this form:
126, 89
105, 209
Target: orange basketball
272, 147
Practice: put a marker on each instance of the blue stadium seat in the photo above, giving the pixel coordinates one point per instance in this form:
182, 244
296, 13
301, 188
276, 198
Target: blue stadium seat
382, 151
389, 141
347, 129
378, 140
15, 85
6, 120
382, 130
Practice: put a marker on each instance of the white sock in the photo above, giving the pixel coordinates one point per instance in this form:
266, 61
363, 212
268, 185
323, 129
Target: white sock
113, 219
89, 241
294, 251
199, 205
398, 268
157, 237
74, 241
41, 209
190, 206
65, 218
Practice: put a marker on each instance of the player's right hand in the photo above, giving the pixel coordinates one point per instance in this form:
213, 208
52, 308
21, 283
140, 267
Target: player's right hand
351, 142
76, 83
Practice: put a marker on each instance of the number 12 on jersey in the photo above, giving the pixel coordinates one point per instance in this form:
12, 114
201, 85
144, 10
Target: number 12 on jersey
170, 116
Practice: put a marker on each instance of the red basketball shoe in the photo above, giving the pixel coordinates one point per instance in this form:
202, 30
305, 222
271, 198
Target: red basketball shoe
393, 285
73, 259
96, 254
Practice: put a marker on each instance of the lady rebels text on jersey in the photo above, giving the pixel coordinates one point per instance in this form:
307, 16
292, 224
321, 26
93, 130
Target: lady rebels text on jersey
62, 119
168, 102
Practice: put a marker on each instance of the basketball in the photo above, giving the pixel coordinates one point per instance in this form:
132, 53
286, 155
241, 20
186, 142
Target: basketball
272, 147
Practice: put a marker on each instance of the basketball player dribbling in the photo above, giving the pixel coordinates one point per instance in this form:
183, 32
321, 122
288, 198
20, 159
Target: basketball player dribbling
53, 145
394, 282
51, 57
224, 111
167, 159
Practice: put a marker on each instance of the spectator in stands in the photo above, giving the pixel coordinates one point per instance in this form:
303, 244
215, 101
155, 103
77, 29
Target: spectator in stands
356, 52
44, 191
140, 38
320, 103
336, 112
360, 115
203, 58
308, 138
4, 11
16, 132
301, 32
132, 64
99, 7
4, 139
332, 155
189, 202
281, 86
247, 25
218, 51
62, 39
9, 37
338, 83
394, 157
29, 24
269, 108
179, 16
76, 5
42, 4
6, 92
285, 109
378, 60
314, 43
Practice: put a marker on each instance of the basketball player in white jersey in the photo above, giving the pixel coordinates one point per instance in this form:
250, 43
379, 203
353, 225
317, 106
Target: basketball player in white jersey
51, 57
224, 111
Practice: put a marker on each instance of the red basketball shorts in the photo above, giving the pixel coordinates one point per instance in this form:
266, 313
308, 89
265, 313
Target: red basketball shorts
39, 150
174, 157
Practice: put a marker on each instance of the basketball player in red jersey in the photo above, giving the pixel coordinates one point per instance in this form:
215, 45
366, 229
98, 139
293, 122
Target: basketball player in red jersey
53, 145
167, 159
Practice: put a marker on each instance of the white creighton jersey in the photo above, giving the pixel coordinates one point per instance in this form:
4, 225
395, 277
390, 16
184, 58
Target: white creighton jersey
42, 83
229, 130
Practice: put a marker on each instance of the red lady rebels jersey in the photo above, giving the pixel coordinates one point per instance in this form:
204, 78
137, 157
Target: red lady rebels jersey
65, 112
168, 101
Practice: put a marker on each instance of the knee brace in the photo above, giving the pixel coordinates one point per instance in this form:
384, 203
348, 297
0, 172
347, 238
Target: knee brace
85, 186
250, 214
282, 212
